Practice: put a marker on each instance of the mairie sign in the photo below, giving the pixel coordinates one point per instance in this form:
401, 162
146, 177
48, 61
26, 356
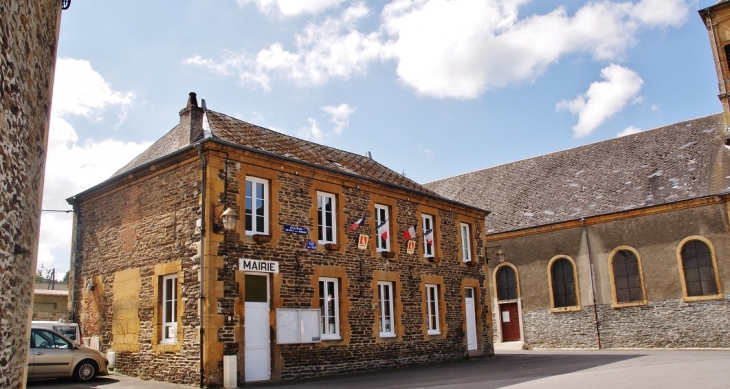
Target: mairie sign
257, 265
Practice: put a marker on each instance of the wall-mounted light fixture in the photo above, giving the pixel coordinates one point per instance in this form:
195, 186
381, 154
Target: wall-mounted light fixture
499, 253
90, 284
226, 221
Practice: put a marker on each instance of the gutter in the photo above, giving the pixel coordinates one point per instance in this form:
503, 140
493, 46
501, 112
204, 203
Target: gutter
74, 244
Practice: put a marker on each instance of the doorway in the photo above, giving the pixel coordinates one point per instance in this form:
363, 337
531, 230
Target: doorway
471, 324
256, 322
508, 303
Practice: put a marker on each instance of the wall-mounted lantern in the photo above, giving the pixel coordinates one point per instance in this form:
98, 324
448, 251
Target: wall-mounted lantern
499, 255
226, 221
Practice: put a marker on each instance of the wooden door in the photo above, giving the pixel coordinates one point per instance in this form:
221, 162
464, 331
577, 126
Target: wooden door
510, 319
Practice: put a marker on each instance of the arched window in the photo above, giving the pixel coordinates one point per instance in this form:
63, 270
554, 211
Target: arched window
698, 268
506, 284
627, 278
563, 283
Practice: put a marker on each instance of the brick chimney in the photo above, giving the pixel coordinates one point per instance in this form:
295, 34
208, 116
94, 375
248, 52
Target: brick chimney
191, 117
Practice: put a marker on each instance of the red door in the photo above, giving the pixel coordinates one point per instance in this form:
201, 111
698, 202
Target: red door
510, 322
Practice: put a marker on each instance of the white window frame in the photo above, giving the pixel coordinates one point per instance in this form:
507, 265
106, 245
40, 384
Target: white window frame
321, 219
254, 195
465, 242
386, 305
325, 309
382, 212
169, 295
432, 309
428, 250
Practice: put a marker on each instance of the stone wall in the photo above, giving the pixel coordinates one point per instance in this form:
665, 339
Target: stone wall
28, 40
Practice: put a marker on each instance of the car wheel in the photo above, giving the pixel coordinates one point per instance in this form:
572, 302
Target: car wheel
85, 370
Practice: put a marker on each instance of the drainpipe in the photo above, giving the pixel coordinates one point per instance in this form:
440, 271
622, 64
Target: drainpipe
593, 286
74, 245
201, 297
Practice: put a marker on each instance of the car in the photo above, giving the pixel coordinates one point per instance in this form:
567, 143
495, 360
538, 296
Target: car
53, 355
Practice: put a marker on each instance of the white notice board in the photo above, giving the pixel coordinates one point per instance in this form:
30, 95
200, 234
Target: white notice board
295, 325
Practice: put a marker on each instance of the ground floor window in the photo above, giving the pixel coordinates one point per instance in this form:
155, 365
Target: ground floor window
432, 309
169, 309
385, 297
329, 308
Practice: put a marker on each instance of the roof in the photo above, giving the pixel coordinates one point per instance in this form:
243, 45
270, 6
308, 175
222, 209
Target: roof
677, 162
253, 137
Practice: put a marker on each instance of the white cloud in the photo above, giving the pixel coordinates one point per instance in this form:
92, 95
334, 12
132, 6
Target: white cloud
339, 116
429, 153
292, 7
603, 98
628, 131
313, 132
73, 164
450, 48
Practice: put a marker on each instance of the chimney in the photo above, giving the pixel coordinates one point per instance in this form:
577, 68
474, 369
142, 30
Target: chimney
191, 118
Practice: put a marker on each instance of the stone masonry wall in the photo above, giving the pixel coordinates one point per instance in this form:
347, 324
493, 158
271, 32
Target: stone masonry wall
139, 227
28, 40
660, 324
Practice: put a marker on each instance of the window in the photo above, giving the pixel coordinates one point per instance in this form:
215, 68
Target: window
563, 283
428, 246
432, 313
465, 243
47, 339
329, 308
257, 206
382, 243
698, 269
326, 214
169, 309
626, 277
506, 283
385, 297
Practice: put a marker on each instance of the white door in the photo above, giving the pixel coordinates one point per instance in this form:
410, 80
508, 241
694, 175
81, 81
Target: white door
471, 323
256, 322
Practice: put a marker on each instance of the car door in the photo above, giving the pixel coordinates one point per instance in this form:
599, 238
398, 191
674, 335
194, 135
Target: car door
51, 355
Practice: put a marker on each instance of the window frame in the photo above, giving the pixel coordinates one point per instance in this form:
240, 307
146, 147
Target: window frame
682, 274
432, 309
576, 287
380, 243
425, 219
253, 197
324, 308
169, 326
611, 257
497, 272
321, 219
389, 304
465, 233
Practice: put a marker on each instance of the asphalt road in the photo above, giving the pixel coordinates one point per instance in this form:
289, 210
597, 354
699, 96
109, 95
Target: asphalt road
544, 369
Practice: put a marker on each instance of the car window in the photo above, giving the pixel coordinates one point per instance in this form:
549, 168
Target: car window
47, 339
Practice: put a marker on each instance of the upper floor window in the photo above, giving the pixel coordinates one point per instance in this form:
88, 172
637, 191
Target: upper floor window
382, 241
428, 246
465, 243
169, 309
698, 269
563, 283
432, 309
326, 218
257, 206
627, 282
329, 307
506, 283
385, 298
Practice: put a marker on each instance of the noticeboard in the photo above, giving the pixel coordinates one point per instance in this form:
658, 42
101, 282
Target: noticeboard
297, 326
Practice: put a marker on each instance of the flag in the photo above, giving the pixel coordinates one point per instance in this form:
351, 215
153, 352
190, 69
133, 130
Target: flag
382, 229
410, 233
429, 237
355, 225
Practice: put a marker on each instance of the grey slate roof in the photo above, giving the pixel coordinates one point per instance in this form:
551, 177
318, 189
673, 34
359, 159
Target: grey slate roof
677, 162
248, 135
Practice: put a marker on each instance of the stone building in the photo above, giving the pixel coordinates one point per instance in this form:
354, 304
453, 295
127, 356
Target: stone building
320, 275
51, 303
621, 243
28, 40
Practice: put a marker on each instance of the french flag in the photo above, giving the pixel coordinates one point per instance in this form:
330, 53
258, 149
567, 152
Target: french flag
429, 237
383, 229
409, 233
357, 224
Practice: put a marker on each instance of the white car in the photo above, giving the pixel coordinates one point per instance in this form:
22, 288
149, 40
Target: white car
53, 355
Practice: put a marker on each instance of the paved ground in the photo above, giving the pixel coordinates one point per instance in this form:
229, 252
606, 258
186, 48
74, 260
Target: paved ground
514, 369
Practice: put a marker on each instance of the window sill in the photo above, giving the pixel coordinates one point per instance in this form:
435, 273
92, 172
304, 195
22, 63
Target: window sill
387, 335
261, 238
434, 333
330, 337
629, 304
566, 309
331, 246
703, 298
388, 254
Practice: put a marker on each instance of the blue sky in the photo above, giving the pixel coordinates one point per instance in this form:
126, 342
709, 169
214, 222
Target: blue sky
432, 88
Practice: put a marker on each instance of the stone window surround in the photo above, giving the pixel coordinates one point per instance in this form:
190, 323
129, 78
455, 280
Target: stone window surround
267, 205
335, 230
430, 218
685, 297
382, 286
616, 303
388, 221
466, 251
162, 270
439, 281
173, 293
399, 330
336, 314
344, 303
432, 290
461, 219
577, 306
437, 248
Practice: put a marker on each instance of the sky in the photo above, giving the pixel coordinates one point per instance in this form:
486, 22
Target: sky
432, 88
